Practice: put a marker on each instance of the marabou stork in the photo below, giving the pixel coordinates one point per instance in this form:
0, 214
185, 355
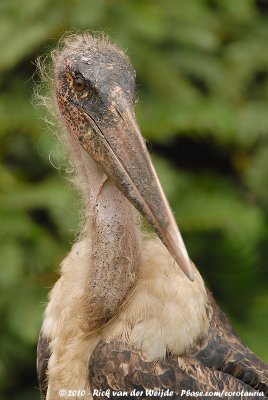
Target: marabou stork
130, 312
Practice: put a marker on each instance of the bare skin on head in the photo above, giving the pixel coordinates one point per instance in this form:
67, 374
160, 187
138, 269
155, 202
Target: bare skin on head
96, 97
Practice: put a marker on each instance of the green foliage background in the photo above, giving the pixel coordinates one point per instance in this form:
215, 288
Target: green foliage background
202, 82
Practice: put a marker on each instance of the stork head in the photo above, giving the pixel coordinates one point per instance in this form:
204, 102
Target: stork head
95, 91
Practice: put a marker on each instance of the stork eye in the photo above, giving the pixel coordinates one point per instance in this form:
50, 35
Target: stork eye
79, 84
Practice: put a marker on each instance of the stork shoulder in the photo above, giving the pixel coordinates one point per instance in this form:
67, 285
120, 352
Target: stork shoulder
165, 311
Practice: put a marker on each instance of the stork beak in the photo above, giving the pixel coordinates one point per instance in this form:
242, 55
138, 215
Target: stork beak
121, 151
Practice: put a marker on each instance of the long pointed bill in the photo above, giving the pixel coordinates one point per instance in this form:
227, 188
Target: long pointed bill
122, 153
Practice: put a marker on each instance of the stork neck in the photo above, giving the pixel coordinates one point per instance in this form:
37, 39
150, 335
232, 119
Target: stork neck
114, 241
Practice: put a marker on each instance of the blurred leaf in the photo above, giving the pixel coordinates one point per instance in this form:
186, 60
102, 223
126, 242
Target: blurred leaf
24, 316
256, 174
11, 261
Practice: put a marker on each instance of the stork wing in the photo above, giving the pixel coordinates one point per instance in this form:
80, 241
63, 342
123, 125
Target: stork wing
43, 354
115, 367
225, 351
224, 364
